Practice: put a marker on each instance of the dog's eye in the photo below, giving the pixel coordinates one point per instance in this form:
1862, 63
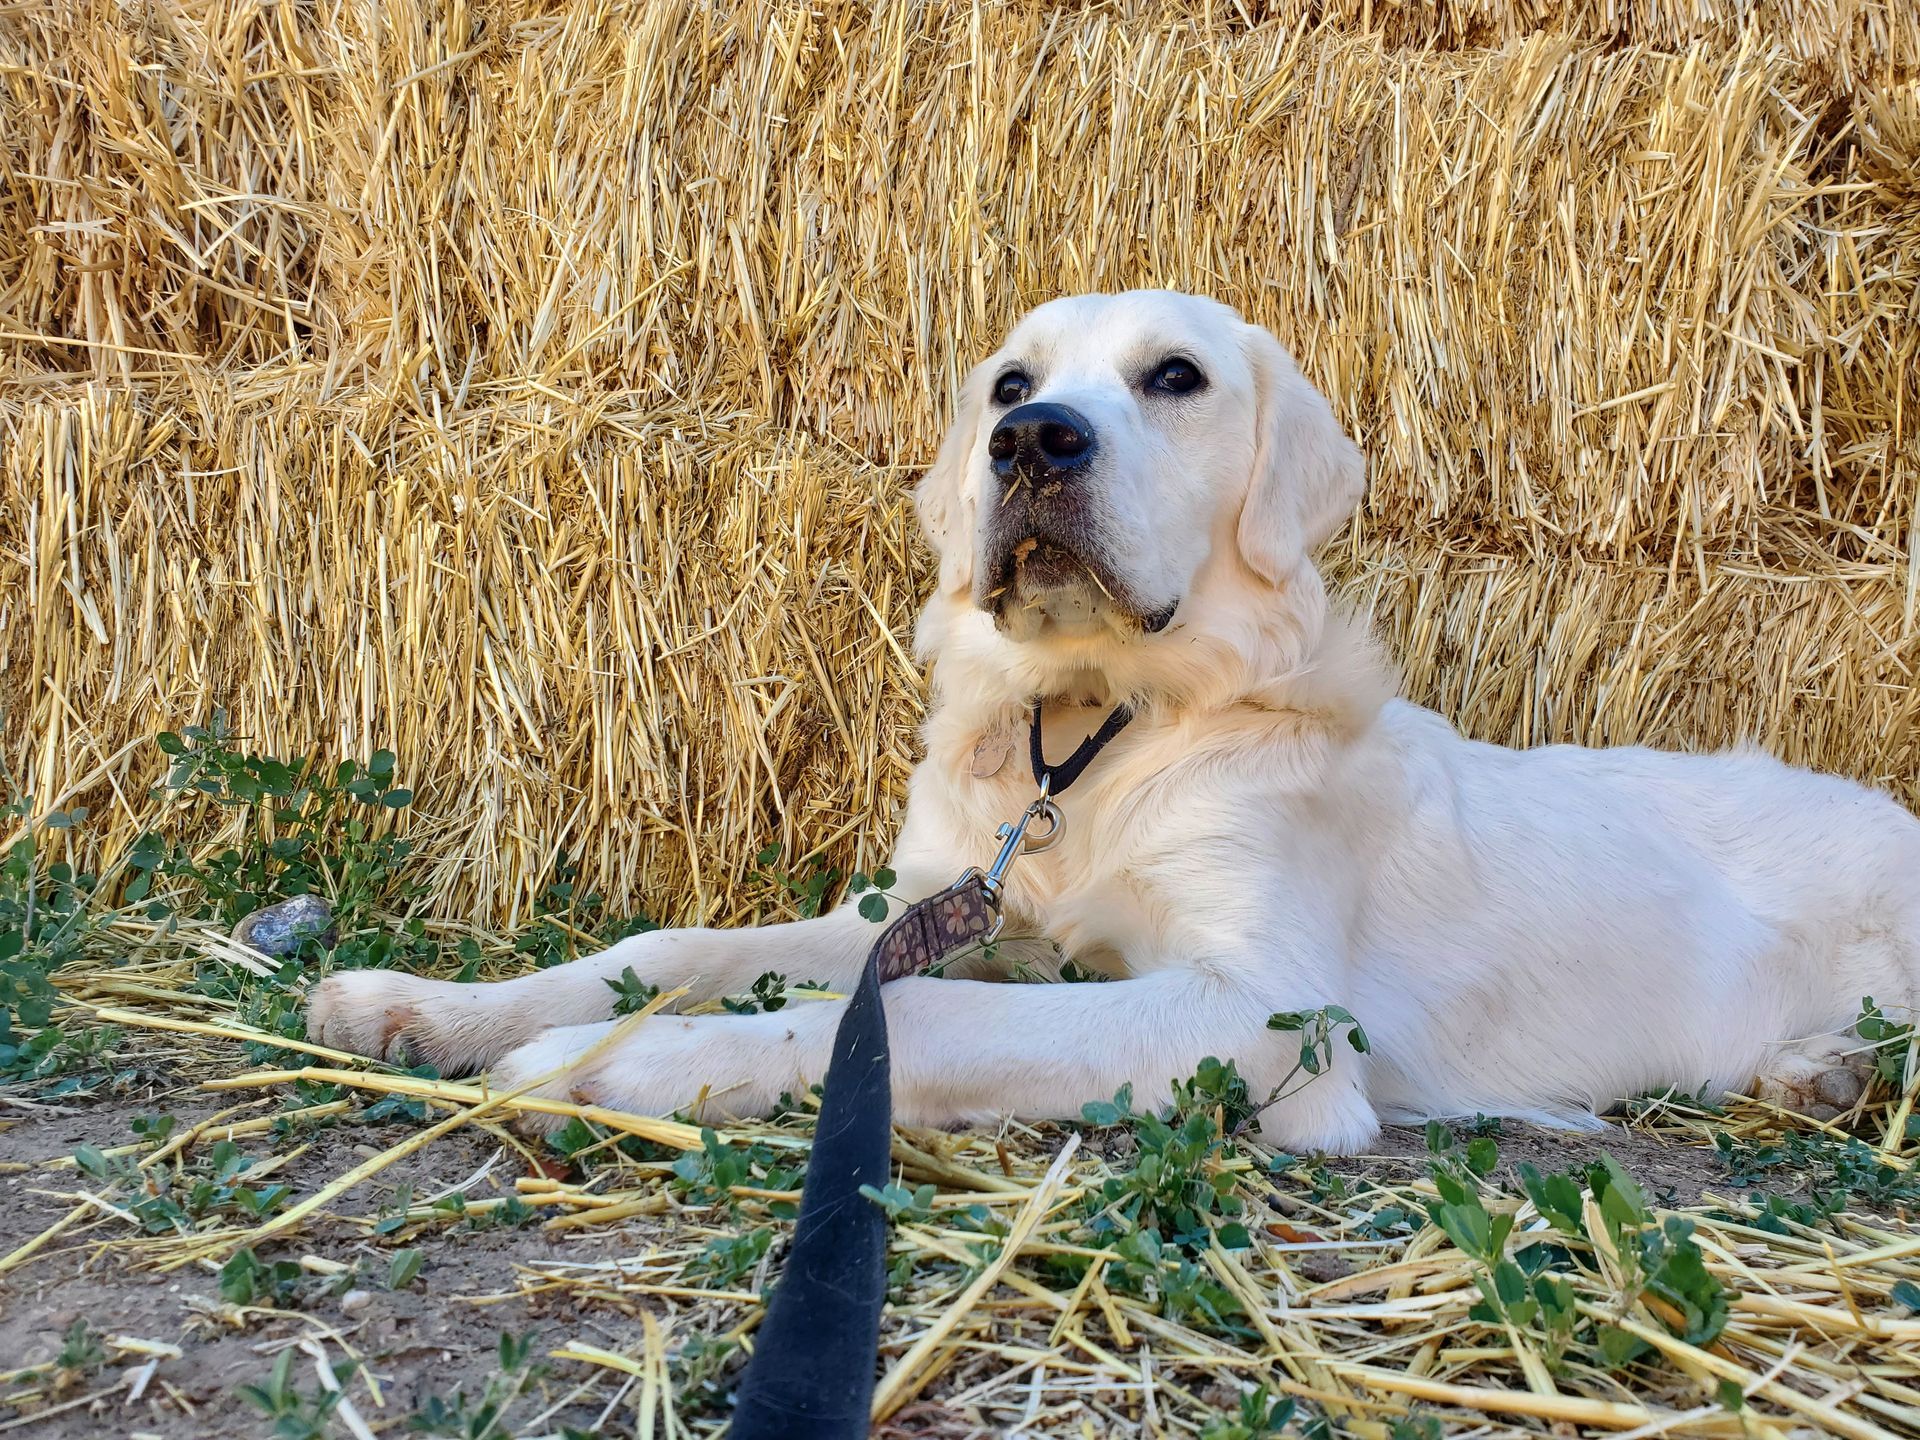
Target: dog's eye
1176, 377
1011, 388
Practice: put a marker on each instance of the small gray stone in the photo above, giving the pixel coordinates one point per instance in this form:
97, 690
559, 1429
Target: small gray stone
354, 1301
278, 929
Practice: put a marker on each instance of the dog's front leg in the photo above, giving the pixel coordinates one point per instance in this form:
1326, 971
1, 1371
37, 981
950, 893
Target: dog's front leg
387, 1013
965, 1052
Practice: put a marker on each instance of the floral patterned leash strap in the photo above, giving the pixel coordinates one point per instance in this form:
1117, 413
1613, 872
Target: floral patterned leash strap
967, 912
812, 1372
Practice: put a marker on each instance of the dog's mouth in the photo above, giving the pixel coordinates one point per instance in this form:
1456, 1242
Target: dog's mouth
1036, 564
1040, 584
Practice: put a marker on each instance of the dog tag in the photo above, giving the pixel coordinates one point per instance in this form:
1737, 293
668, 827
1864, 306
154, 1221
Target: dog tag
990, 754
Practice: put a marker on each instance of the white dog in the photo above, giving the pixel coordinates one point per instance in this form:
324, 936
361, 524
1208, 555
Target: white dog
1123, 511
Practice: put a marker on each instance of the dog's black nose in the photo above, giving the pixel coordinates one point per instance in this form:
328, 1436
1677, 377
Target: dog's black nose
1041, 434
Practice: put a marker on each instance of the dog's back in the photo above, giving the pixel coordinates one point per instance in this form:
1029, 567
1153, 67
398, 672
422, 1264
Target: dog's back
1624, 917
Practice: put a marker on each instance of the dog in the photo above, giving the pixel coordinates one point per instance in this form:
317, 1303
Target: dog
1124, 510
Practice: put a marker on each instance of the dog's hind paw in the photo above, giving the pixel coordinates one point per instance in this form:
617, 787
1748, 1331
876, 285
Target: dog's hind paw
1821, 1079
1330, 1120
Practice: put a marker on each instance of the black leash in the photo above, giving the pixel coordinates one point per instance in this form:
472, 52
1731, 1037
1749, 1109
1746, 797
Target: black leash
1055, 780
812, 1372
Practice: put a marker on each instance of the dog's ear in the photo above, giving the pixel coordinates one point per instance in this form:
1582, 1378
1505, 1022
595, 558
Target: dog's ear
1307, 475
946, 510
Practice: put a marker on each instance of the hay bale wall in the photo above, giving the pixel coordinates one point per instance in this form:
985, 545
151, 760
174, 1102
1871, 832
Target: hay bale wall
537, 389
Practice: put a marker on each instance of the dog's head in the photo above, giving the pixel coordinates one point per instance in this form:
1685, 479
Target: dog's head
1119, 457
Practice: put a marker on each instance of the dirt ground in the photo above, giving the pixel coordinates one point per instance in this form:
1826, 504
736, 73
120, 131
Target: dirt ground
441, 1332
418, 1340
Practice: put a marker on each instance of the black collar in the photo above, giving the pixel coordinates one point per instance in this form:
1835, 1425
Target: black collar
1056, 778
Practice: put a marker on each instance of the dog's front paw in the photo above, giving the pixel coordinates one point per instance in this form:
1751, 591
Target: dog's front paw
713, 1067
406, 1019
365, 1012
543, 1068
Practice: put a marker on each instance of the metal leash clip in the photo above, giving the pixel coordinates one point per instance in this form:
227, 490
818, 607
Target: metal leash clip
1015, 842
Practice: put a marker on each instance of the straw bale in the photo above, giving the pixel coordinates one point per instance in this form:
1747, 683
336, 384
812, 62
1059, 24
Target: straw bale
1845, 40
536, 390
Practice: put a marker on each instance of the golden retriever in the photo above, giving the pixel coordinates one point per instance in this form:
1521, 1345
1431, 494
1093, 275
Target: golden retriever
1124, 510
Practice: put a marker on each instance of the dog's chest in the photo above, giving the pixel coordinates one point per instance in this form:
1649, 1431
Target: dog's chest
1073, 890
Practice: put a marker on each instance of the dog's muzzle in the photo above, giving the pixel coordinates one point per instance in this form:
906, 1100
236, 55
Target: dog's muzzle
1044, 564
